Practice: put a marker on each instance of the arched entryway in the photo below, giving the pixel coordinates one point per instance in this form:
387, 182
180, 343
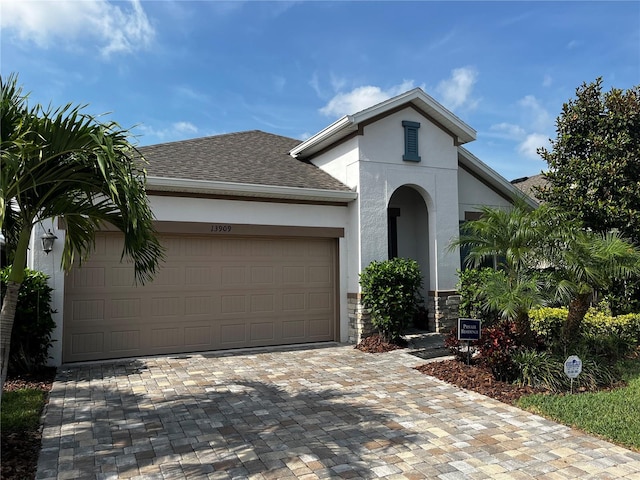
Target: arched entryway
408, 229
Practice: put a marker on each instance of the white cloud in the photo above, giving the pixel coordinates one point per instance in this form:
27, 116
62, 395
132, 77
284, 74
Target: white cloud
547, 81
531, 143
361, 98
456, 91
533, 132
186, 92
185, 127
315, 84
176, 131
508, 131
573, 44
539, 117
113, 28
337, 83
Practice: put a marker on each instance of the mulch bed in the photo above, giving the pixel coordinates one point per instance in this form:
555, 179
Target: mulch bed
476, 378
471, 377
376, 344
20, 450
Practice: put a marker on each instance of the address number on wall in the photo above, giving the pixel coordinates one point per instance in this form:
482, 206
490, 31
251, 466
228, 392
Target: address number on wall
220, 228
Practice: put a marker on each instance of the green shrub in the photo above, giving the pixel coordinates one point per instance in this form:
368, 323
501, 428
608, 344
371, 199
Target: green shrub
608, 347
595, 374
547, 323
391, 291
601, 335
542, 369
539, 369
623, 295
33, 323
627, 327
472, 301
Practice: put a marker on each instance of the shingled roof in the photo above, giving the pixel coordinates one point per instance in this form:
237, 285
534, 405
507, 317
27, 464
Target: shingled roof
251, 157
528, 185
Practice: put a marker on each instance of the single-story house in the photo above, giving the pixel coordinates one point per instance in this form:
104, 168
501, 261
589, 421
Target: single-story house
266, 235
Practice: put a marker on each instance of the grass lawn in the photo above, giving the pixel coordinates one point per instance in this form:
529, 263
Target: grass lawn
614, 415
21, 409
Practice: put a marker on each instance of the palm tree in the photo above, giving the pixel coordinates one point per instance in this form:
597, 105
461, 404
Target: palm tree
62, 163
584, 262
544, 256
507, 239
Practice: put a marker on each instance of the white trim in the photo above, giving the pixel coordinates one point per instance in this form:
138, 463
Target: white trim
326, 134
185, 185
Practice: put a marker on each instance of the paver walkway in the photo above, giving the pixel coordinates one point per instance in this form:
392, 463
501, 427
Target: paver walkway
329, 412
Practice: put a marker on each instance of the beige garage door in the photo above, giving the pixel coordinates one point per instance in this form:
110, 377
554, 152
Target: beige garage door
212, 293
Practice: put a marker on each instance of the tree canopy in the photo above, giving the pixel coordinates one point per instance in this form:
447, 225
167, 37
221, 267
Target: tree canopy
594, 161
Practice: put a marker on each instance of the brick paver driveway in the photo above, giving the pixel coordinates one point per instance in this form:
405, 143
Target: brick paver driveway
329, 412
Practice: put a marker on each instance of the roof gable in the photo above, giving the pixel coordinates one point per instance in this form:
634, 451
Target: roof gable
349, 125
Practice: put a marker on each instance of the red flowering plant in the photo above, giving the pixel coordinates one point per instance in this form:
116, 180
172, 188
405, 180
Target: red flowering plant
497, 346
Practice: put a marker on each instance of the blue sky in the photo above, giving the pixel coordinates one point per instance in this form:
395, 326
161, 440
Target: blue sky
172, 70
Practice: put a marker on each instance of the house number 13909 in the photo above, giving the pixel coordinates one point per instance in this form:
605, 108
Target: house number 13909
220, 228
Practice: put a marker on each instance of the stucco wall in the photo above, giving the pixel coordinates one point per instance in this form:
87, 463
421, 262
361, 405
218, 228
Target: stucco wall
473, 194
342, 162
382, 172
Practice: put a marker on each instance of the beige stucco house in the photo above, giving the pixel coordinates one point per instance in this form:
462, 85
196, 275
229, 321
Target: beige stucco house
266, 235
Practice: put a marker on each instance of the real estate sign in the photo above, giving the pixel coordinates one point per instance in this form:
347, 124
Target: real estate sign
469, 329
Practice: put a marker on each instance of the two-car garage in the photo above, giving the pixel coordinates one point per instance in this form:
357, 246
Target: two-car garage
216, 290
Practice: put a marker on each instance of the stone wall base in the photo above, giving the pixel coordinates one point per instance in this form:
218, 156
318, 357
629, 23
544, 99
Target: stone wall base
442, 310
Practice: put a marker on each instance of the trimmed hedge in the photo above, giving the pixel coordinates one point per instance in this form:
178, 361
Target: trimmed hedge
547, 322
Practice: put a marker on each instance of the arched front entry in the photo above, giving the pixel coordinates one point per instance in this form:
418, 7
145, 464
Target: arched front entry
408, 229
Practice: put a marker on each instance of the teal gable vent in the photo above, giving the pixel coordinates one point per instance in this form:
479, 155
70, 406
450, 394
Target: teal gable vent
410, 141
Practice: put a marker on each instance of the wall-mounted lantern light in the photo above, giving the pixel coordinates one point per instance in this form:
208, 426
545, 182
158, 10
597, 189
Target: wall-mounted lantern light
47, 241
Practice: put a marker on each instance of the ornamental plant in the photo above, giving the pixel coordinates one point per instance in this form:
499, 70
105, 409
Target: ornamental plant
31, 334
497, 347
391, 291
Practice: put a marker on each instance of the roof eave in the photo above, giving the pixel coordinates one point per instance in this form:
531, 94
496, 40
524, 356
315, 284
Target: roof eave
344, 125
207, 187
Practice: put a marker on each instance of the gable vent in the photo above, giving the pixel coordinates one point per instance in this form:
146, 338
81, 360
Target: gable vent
410, 141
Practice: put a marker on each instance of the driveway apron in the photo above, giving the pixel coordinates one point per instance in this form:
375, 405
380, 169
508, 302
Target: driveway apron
325, 412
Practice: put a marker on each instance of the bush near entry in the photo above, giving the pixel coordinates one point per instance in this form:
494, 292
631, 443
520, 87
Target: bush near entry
391, 291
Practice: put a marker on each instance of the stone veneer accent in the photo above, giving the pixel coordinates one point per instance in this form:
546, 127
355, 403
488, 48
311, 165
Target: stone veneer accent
442, 312
359, 319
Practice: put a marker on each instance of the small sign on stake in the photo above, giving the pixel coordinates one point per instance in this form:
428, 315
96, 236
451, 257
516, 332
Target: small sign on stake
572, 368
469, 329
